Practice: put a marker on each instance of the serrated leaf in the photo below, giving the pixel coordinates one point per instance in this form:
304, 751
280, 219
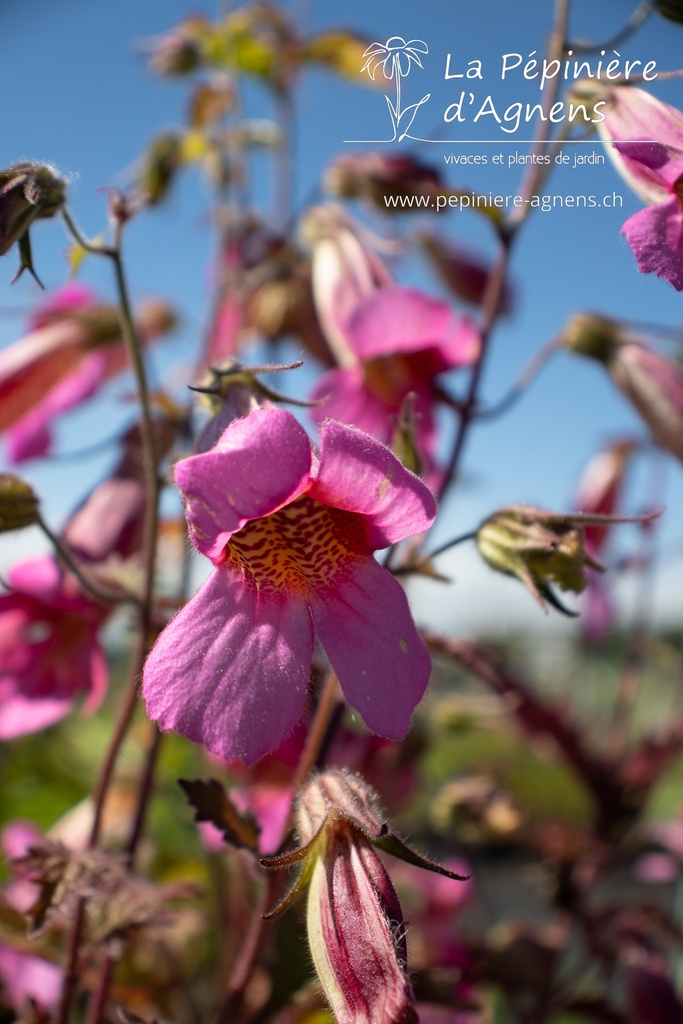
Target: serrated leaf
211, 803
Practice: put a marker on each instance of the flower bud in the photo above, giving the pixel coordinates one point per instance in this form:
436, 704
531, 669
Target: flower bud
18, 503
28, 192
356, 933
651, 382
540, 548
178, 52
160, 164
374, 176
355, 925
592, 335
671, 9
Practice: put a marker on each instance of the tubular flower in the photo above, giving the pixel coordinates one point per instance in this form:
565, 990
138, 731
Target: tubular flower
647, 150
354, 920
291, 535
600, 493
48, 648
73, 348
402, 340
652, 383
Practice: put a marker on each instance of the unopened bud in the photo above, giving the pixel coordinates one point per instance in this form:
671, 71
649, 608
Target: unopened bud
592, 335
28, 192
178, 52
160, 163
651, 382
18, 503
375, 176
671, 9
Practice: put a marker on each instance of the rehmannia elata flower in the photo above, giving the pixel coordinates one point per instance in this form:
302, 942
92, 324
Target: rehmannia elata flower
49, 649
646, 147
74, 346
600, 493
651, 382
291, 534
401, 340
354, 921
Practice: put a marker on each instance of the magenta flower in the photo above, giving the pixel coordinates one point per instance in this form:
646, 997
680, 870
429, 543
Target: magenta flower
600, 493
656, 233
24, 977
402, 340
291, 536
73, 348
647, 150
49, 649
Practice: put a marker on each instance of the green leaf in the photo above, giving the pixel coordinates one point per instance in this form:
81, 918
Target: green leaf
390, 843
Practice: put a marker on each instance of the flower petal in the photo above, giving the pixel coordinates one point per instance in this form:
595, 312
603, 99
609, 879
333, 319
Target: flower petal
21, 714
368, 633
348, 400
359, 474
261, 462
397, 319
231, 670
31, 436
656, 236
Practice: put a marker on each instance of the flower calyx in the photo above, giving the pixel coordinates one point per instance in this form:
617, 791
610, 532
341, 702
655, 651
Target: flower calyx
543, 549
18, 503
28, 192
338, 802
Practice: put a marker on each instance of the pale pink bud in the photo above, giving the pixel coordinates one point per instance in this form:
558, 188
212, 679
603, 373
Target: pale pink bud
344, 270
654, 385
355, 925
651, 382
356, 933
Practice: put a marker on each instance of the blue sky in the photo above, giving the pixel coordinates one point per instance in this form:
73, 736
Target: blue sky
77, 93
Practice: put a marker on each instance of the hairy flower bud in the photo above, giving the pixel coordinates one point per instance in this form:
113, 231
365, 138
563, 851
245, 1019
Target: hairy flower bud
28, 192
18, 503
355, 925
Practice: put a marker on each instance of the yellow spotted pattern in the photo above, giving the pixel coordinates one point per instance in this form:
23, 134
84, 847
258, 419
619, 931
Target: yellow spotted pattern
299, 549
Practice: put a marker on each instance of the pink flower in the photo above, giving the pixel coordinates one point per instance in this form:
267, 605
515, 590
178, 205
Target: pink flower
73, 348
291, 536
22, 976
48, 648
647, 150
402, 340
656, 233
651, 382
355, 926
344, 270
600, 493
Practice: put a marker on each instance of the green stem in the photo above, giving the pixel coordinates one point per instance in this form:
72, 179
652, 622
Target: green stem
92, 588
144, 639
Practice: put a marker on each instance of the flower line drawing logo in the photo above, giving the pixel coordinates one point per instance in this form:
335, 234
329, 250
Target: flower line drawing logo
395, 57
